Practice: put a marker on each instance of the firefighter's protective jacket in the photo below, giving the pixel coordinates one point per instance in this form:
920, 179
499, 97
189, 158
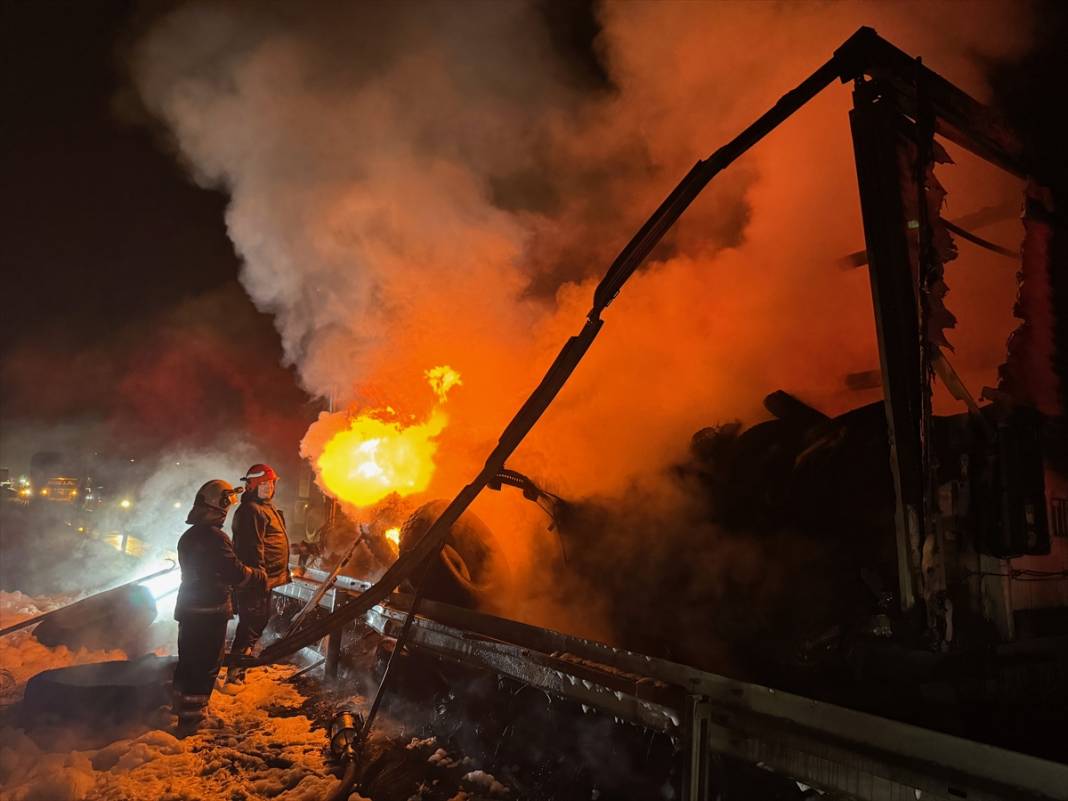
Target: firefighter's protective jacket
260, 538
210, 568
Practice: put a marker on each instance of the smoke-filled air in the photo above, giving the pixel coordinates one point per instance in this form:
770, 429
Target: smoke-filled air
442, 184
472, 400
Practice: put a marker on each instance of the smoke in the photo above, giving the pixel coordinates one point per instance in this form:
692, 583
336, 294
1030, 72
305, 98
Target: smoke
188, 377
414, 185
146, 414
125, 523
165, 497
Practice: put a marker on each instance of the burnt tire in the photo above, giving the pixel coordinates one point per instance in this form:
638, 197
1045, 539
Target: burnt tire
118, 618
470, 570
102, 692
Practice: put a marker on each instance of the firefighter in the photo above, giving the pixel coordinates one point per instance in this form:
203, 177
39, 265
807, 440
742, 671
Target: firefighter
210, 569
260, 541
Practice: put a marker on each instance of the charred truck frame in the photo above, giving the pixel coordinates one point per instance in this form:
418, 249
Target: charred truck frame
969, 491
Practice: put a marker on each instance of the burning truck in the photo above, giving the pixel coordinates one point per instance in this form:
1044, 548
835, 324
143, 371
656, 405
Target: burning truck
898, 625
927, 571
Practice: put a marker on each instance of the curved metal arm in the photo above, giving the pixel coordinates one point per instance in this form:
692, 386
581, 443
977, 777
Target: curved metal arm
841, 65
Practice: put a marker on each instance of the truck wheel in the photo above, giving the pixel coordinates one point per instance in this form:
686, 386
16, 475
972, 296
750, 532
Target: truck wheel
471, 569
113, 619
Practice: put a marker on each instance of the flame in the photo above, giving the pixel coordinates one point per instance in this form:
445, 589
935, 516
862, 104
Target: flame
378, 455
442, 379
393, 535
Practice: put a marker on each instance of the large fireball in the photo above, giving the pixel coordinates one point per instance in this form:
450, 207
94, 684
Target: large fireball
379, 455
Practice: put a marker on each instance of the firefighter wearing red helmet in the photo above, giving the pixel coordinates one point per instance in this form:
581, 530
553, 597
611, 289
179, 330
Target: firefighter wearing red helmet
260, 541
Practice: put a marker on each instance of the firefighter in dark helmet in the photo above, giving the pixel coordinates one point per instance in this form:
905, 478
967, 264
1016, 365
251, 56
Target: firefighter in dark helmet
210, 570
260, 541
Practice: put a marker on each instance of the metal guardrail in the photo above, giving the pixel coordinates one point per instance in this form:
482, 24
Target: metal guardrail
838, 750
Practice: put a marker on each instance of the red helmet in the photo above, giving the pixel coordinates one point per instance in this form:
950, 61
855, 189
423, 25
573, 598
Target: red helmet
257, 474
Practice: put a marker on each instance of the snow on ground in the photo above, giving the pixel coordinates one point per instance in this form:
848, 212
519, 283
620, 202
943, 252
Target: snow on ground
22, 657
256, 744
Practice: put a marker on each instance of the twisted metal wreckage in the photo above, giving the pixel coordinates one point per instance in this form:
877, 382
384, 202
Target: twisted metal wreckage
899, 107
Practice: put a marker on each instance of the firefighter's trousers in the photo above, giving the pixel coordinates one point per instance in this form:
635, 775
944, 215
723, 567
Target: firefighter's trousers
253, 611
201, 646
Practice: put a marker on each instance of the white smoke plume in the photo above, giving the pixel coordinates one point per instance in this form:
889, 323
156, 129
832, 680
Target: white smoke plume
160, 503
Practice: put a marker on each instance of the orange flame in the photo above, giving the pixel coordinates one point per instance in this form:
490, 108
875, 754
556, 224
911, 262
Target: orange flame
442, 379
393, 535
378, 456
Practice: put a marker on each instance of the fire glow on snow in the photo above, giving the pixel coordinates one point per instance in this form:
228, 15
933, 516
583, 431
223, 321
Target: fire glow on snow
379, 455
22, 657
244, 750
243, 747
256, 744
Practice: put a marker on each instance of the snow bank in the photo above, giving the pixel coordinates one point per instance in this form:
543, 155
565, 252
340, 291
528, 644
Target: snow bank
23, 657
254, 745
441, 757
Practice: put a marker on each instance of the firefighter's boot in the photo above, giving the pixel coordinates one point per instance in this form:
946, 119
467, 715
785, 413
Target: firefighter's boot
190, 710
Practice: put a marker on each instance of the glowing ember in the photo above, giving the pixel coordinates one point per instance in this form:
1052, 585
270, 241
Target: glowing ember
393, 535
378, 455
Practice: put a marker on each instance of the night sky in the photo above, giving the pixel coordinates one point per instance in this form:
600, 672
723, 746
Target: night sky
102, 226
113, 260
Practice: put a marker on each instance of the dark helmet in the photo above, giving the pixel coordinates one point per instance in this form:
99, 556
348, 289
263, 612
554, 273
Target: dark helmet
257, 474
212, 502
217, 494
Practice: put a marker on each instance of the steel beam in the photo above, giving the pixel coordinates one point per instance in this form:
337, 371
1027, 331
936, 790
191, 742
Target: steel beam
875, 122
333, 642
698, 779
958, 116
836, 749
